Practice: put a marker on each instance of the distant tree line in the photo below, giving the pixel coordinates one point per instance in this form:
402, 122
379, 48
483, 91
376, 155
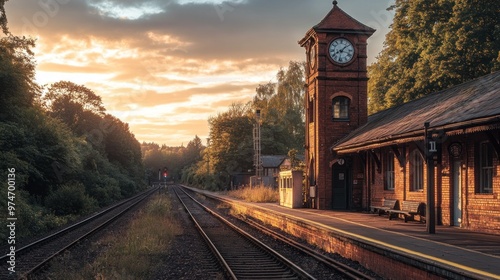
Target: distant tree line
432, 45
70, 157
156, 158
230, 146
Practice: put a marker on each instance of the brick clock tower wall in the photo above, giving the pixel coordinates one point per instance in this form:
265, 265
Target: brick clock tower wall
336, 104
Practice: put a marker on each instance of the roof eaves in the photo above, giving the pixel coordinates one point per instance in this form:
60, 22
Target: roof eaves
470, 126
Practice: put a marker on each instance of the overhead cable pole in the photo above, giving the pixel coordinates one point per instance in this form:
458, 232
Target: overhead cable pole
257, 149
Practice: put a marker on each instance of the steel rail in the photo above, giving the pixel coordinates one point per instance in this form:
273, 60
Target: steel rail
24, 250
211, 245
299, 271
69, 228
338, 266
95, 229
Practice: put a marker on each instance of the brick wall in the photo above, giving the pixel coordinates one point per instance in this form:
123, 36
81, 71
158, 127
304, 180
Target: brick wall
325, 83
480, 212
386, 263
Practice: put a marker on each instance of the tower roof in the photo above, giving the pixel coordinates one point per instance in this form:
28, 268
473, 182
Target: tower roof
339, 21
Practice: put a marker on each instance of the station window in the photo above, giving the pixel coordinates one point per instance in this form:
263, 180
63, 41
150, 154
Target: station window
416, 171
389, 171
485, 170
310, 110
340, 106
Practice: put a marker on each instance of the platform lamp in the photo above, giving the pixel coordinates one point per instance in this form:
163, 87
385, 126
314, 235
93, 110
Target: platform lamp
430, 150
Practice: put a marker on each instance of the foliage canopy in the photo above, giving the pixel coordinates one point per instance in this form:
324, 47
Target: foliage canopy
432, 45
69, 156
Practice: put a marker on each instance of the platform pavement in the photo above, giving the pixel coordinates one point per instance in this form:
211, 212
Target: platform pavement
474, 254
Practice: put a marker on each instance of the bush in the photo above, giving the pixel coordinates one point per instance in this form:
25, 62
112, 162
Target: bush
70, 200
256, 194
127, 186
33, 219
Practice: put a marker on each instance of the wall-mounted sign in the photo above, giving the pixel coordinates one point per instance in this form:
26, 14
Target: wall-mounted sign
432, 147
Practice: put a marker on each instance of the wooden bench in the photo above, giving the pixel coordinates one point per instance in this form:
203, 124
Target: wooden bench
409, 209
387, 204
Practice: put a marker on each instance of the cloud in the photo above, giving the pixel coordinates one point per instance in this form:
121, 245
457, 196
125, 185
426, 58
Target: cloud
176, 60
191, 30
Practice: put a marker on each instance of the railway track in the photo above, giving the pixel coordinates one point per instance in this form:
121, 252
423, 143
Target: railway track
33, 256
341, 269
240, 255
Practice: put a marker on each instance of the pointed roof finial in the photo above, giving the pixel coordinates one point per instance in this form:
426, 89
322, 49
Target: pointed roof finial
335, 2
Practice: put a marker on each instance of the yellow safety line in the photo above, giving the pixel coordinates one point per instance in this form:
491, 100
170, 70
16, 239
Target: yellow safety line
463, 267
403, 234
425, 256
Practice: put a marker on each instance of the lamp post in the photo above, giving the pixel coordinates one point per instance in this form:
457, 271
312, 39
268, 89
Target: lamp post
257, 149
208, 157
430, 150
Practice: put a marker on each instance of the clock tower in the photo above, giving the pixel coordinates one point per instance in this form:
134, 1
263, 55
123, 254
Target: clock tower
336, 104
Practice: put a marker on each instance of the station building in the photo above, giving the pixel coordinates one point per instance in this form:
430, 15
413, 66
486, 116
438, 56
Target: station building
354, 161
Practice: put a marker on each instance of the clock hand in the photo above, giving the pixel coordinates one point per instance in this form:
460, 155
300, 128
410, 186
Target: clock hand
340, 51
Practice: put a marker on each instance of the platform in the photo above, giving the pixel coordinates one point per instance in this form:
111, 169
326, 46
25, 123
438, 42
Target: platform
451, 253
476, 255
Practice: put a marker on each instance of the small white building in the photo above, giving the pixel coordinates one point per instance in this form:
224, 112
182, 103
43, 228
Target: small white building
290, 188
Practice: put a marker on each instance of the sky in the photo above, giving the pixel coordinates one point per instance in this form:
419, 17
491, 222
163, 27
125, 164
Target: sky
166, 66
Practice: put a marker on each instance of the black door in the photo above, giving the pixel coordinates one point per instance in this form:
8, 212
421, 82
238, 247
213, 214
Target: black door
340, 187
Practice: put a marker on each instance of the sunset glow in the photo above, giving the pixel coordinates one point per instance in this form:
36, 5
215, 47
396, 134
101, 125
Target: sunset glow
165, 67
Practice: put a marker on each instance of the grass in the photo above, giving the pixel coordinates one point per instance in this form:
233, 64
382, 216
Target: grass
260, 194
134, 253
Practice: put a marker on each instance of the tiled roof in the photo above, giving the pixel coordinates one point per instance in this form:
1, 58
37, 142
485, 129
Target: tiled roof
337, 19
272, 161
472, 104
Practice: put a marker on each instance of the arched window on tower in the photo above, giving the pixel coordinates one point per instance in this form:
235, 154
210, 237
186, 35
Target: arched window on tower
340, 105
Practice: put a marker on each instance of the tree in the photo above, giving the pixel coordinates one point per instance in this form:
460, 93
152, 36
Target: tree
231, 132
231, 141
57, 171
282, 109
193, 150
76, 105
122, 149
3, 17
17, 76
179, 160
433, 45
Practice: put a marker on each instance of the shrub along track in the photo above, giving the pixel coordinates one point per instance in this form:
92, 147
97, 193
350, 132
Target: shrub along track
32, 257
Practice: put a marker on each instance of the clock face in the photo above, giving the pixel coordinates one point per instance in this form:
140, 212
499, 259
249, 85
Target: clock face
341, 50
